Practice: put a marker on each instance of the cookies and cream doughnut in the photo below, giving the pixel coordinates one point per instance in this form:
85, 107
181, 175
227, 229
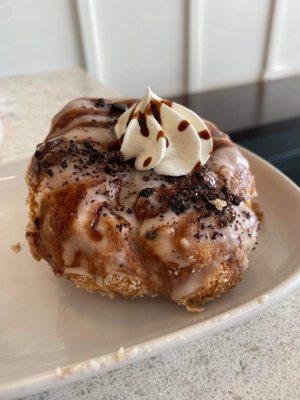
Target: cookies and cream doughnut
141, 198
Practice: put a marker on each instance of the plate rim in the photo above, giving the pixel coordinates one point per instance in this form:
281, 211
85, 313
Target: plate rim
50, 379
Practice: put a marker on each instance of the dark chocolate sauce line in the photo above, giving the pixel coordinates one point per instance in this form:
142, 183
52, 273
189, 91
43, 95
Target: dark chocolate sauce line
155, 109
143, 124
183, 125
167, 102
131, 115
204, 134
160, 134
87, 124
197, 166
69, 116
147, 161
94, 107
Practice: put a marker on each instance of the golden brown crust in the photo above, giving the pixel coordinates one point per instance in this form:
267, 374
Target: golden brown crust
226, 276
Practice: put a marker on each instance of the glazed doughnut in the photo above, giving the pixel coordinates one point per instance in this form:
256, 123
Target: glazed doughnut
116, 230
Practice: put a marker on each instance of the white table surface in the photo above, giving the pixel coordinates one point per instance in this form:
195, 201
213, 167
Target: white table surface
257, 360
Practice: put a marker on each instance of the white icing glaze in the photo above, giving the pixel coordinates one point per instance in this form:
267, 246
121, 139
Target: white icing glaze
80, 241
231, 238
226, 160
163, 244
80, 103
103, 136
134, 184
81, 270
189, 285
81, 120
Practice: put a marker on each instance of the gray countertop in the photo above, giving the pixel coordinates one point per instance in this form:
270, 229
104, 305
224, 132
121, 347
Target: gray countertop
257, 360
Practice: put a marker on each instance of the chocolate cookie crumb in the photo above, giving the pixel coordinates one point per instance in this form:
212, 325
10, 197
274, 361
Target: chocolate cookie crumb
116, 108
73, 147
38, 154
246, 214
100, 102
121, 226
49, 172
215, 235
151, 235
146, 192
178, 203
64, 164
198, 235
235, 200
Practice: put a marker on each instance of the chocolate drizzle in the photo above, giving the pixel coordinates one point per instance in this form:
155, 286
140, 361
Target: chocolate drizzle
147, 162
155, 109
161, 134
204, 134
131, 115
143, 124
167, 102
183, 125
107, 110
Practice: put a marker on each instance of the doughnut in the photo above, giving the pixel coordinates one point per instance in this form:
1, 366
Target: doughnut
118, 231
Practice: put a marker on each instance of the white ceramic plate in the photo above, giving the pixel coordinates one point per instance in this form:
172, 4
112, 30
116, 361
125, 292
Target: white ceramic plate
46, 322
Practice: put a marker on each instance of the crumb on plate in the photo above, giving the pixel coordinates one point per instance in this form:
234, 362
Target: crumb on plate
16, 247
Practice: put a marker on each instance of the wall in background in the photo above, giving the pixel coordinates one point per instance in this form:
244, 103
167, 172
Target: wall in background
230, 43
283, 57
189, 45
173, 45
143, 43
38, 35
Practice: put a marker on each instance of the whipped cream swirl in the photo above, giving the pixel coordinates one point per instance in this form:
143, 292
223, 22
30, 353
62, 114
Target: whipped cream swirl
163, 135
